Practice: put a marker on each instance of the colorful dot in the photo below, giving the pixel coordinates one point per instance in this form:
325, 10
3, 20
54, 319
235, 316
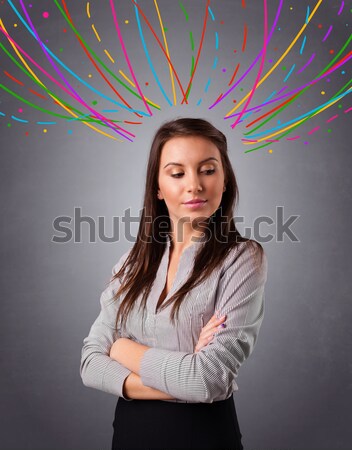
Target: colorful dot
222, 22
90, 75
270, 60
45, 130
329, 130
69, 131
320, 26
127, 21
146, 83
328, 80
61, 49
26, 133
234, 101
9, 125
165, 29
45, 14
15, 25
271, 150
343, 72
30, 5
94, 102
291, 8
283, 67
279, 28
235, 51
322, 92
20, 110
340, 106
241, 89
305, 142
64, 30
331, 51
224, 69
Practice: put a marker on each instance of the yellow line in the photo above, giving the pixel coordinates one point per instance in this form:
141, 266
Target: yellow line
109, 56
127, 79
296, 123
96, 33
88, 10
56, 100
167, 50
280, 59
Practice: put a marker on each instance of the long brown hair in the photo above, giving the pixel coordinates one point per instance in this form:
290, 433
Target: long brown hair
221, 235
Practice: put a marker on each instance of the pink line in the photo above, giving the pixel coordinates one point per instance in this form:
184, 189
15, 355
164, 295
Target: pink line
327, 34
293, 138
341, 8
332, 118
314, 130
260, 68
126, 55
348, 110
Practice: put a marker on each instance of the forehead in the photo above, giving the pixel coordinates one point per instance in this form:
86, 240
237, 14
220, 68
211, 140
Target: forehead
188, 149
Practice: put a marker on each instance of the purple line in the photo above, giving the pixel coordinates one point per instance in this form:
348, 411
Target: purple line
307, 63
332, 118
327, 34
254, 62
341, 7
295, 90
76, 95
281, 90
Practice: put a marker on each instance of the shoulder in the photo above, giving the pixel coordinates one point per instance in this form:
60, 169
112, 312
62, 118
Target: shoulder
246, 257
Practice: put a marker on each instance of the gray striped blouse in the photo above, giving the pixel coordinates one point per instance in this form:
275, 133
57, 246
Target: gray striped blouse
236, 288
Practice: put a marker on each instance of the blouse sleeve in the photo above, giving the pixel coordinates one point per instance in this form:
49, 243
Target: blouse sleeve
97, 369
209, 375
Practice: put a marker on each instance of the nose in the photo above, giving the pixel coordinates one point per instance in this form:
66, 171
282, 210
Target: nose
194, 184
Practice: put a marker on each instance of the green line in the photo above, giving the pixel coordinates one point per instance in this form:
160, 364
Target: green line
191, 39
184, 11
100, 61
192, 68
303, 90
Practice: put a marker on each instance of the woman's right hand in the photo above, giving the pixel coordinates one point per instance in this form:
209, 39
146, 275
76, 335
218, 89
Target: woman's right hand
215, 324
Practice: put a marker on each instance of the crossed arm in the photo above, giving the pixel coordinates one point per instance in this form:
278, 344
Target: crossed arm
129, 354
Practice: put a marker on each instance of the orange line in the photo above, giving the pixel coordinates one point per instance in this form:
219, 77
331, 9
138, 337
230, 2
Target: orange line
243, 3
199, 50
244, 37
37, 94
13, 78
272, 110
234, 74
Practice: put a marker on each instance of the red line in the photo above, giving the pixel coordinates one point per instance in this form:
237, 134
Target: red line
161, 46
245, 30
234, 74
199, 50
243, 4
37, 94
95, 65
272, 110
13, 78
133, 123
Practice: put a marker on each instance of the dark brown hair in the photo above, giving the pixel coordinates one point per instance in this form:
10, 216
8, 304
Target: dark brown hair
221, 235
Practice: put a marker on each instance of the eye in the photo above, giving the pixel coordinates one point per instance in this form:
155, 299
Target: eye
208, 172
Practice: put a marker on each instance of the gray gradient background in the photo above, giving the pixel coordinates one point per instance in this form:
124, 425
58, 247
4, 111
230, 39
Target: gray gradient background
295, 389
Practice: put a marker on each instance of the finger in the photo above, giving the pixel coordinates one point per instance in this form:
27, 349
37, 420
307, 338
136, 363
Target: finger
214, 323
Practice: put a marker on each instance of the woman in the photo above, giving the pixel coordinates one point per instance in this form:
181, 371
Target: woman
171, 336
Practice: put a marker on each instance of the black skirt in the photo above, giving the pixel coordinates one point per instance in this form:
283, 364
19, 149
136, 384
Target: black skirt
149, 424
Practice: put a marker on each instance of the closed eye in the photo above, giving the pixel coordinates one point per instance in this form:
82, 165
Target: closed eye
208, 172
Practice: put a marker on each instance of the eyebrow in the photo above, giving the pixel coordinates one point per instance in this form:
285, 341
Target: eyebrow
201, 162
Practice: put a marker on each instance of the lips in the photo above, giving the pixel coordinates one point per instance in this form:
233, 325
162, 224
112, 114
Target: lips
191, 202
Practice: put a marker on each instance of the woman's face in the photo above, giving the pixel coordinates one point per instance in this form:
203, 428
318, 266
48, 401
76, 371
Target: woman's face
191, 177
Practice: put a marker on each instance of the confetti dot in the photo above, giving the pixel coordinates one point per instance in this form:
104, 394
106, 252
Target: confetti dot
45, 14
235, 51
283, 67
69, 131
165, 29
94, 102
222, 22
9, 125
26, 133
64, 30
127, 21
291, 8
15, 25
322, 92
340, 106
305, 142
328, 80
241, 89
279, 28
271, 150
146, 83
90, 75
320, 26
234, 101
45, 130
343, 72
20, 110
329, 130
30, 5
224, 69
61, 49
331, 51
270, 60
275, 49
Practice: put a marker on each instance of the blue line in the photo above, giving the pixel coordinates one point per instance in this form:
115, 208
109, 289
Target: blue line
270, 97
216, 40
46, 123
303, 44
199, 101
215, 62
211, 13
288, 75
70, 71
109, 110
2, 114
302, 116
148, 57
207, 86
19, 120
307, 15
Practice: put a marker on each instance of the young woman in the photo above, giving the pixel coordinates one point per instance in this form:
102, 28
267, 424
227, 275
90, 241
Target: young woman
185, 303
